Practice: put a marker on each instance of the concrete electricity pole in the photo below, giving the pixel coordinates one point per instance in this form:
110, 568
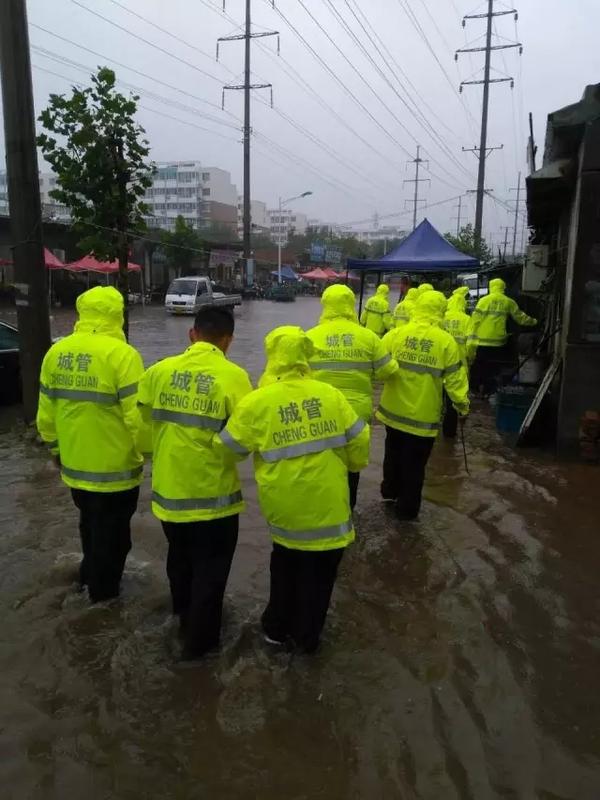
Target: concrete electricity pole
416, 180
458, 216
24, 199
518, 191
487, 80
246, 87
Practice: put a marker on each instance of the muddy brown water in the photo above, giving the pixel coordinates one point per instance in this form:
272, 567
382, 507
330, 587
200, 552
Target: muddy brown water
460, 660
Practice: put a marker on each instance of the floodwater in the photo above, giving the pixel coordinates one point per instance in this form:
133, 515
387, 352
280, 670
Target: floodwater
460, 660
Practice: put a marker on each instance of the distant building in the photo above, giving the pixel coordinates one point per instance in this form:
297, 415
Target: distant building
52, 210
203, 196
379, 234
283, 223
258, 217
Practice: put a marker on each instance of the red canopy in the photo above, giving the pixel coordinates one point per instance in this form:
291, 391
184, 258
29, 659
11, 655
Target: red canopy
90, 264
316, 275
332, 274
51, 261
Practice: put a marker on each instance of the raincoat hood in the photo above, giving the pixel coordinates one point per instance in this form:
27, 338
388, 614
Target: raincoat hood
411, 296
101, 311
288, 351
423, 288
497, 286
458, 300
338, 301
431, 307
383, 290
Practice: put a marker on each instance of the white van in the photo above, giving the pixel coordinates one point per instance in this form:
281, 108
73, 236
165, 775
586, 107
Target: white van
188, 295
478, 286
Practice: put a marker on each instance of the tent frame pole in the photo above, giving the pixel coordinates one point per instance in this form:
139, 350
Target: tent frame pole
362, 291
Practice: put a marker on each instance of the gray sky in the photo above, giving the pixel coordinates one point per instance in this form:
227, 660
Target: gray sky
354, 166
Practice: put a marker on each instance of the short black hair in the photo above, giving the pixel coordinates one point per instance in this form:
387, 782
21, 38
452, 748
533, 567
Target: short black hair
213, 323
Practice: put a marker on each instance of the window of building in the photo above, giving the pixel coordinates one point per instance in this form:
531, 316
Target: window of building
206, 176
167, 173
205, 192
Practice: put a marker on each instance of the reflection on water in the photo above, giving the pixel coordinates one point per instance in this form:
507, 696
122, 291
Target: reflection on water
460, 658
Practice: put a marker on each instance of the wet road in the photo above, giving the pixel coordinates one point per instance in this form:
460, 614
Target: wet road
460, 658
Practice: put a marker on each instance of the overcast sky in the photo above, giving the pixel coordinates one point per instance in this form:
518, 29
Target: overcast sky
342, 128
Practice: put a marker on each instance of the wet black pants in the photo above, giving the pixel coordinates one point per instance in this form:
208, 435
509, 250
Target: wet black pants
104, 528
301, 586
198, 564
450, 423
404, 462
353, 479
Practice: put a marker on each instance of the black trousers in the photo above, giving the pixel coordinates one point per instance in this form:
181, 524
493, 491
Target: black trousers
198, 564
404, 462
450, 423
353, 479
488, 366
301, 586
104, 528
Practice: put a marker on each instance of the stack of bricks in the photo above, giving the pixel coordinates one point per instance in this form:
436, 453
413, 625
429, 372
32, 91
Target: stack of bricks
589, 436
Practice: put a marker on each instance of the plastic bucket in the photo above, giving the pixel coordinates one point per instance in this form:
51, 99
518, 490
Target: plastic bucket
512, 405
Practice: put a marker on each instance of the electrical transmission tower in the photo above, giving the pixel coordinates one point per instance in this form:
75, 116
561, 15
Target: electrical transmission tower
483, 149
416, 180
246, 87
517, 210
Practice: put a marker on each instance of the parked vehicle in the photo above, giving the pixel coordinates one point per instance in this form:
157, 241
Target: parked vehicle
189, 294
10, 369
478, 286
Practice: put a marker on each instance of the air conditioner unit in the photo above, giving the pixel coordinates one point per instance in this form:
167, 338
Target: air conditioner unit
535, 271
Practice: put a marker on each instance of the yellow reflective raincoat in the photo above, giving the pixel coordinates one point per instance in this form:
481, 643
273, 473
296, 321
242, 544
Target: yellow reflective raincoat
491, 313
423, 288
460, 325
347, 356
87, 406
376, 314
184, 401
405, 307
429, 361
305, 438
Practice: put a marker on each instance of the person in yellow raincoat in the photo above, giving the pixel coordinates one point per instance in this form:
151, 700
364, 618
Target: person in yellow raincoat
305, 438
460, 326
376, 315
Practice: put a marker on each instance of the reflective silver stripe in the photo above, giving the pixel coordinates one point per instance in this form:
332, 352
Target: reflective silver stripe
314, 534
372, 311
303, 448
353, 431
453, 368
191, 420
381, 362
102, 477
414, 423
45, 390
493, 313
103, 398
127, 391
460, 339
340, 366
232, 444
473, 338
51, 445
493, 342
197, 503
423, 369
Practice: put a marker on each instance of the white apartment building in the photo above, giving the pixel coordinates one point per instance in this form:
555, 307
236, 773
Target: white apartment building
380, 234
203, 196
52, 210
282, 223
258, 217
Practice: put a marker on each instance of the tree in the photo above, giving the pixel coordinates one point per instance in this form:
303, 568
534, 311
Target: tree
101, 168
465, 242
181, 246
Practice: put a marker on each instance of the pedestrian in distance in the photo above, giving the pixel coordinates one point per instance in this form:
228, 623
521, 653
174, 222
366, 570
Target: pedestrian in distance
348, 357
305, 438
460, 326
489, 326
404, 308
87, 416
376, 314
411, 403
184, 401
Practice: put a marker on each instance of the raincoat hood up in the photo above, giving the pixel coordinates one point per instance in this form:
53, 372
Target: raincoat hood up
338, 301
100, 311
430, 307
423, 288
497, 286
288, 351
458, 300
383, 290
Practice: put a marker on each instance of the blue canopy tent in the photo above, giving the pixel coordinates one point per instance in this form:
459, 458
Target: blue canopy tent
287, 273
425, 250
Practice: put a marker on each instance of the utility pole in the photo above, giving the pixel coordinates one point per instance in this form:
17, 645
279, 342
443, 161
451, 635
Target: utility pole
247, 87
458, 217
506, 230
24, 199
416, 180
518, 191
483, 148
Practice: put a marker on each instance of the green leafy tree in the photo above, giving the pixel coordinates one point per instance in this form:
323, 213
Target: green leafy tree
220, 233
101, 165
181, 246
466, 243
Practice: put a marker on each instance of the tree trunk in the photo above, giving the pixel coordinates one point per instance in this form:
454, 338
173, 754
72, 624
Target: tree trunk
123, 280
